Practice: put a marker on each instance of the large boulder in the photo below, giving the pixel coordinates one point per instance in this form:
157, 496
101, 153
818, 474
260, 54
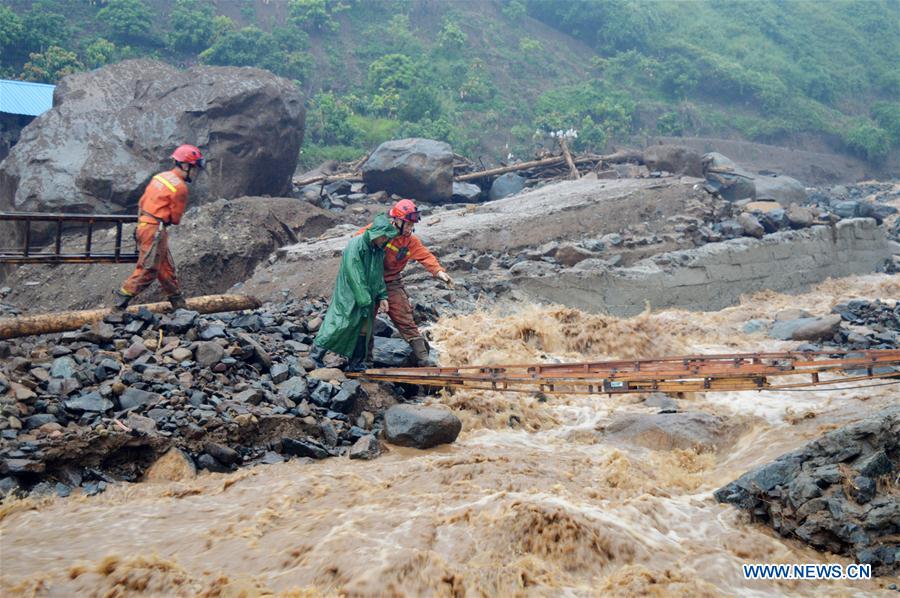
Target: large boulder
676, 159
420, 426
667, 431
506, 185
111, 129
806, 329
421, 169
783, 189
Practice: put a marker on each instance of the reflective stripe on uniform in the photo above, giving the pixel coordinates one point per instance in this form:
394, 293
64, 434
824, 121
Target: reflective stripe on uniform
162, 180
392, 246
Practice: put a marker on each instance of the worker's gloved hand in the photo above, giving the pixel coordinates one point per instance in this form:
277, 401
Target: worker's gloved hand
383, 306
445, 278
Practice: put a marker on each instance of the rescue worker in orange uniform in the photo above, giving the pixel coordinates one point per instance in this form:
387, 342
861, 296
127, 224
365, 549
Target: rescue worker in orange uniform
397, 253
162, 205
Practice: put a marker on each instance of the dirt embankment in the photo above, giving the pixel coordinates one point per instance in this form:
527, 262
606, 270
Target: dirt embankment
814, 164
561, 211
217, 245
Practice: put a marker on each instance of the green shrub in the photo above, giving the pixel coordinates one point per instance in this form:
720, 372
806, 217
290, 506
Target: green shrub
887, 115
193, 25
314, 15
99, 53
451, 38
866, 139
50, 66
11, 29
329, 121
127, 20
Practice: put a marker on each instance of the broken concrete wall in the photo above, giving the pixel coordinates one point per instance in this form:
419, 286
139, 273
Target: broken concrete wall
716, 275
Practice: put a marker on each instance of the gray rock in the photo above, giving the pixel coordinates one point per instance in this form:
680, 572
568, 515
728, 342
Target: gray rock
63, 367
134, 351
846, 209
807, 494
279, 373
321, 394
38, 420
418, 168
506, 185
141, 424
210, 463
91, 401
248, 121
676, 159
419, 426
783, 189
466, 193
874, 465
800, 216
135, 397
329, 433
212, 332
253, 396
366, 448
391, 352
806, 329
751, 226
304, 448
569, 254
668, 431
345, 400
107, 368
221, 452
180, 321
208, 353
294, 388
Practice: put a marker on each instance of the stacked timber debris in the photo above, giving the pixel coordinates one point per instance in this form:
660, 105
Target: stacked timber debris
102, 403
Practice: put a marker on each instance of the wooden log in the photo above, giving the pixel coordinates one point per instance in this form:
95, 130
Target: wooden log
73, 320
525, 166
573, 172
511, 168
353, 177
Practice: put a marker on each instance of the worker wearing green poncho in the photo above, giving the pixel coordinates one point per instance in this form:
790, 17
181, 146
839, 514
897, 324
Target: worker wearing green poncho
358, 291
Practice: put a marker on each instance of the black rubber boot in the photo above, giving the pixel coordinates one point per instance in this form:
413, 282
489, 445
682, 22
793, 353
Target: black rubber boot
121, 301
357, 361
317, 354
177, 301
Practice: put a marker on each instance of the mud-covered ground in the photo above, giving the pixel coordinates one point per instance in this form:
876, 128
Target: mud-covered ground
535, 497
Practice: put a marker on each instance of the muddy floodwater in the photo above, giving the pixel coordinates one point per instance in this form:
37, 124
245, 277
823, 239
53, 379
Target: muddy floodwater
531, 500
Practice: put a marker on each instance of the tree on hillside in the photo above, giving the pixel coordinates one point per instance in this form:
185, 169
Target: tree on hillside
249, 46
11, 29
314, 15
194, 28
99, 52
50, 66
388, 77
44, 28
127, 19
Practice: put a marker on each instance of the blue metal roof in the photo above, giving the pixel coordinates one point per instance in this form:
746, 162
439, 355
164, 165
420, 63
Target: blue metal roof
22, 97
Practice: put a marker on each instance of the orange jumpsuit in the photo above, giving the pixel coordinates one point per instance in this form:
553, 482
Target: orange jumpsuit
164, 201
397, 254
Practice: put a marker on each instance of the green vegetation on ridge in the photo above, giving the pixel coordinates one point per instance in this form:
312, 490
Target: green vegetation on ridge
485, 76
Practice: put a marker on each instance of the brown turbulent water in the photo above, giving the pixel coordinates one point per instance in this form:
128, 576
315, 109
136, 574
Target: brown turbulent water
542, 507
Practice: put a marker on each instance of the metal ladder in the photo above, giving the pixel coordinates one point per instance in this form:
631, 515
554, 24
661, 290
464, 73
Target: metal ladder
29, 254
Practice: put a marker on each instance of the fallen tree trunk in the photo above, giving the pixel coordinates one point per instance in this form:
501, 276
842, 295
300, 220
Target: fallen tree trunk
353, 177
525, 166
573, 172
73, 320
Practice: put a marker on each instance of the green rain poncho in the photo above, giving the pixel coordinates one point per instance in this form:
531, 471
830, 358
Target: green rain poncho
358, 289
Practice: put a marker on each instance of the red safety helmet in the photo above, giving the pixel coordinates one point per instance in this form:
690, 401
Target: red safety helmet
406, 210
189, 154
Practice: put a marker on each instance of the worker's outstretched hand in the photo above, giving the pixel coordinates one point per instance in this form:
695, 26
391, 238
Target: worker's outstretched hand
383, 306
445, 278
